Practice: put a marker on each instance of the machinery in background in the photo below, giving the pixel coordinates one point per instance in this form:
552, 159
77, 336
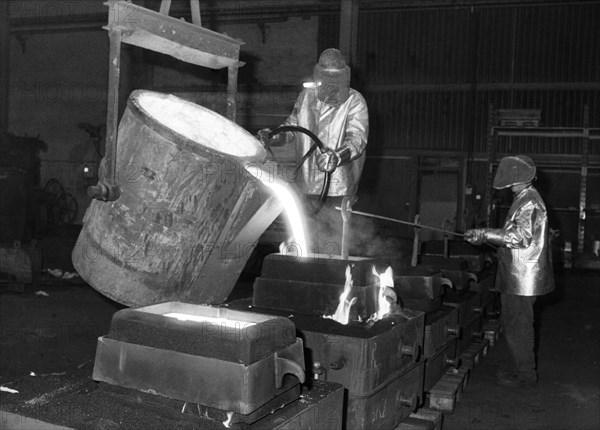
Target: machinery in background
61, 206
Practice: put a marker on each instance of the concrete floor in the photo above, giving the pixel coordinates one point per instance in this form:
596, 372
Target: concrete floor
567, 395
57, 333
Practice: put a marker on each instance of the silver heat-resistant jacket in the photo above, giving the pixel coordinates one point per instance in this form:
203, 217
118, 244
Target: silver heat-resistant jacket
343, 128
524, 253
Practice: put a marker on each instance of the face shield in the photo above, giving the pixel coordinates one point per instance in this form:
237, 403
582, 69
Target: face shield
332, 77
333, 85
514, 170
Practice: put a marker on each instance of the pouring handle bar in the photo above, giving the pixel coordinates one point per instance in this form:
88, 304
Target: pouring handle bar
402, 222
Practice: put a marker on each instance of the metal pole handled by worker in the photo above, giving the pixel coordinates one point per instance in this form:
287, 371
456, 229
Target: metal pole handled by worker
402, 222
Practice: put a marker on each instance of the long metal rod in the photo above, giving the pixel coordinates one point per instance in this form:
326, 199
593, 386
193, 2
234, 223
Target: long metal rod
402, 222
232, 77
112, 113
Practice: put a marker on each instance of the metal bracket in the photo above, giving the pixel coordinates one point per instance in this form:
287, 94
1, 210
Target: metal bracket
284, 366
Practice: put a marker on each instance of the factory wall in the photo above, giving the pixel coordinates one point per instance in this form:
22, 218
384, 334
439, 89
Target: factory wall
57, 81
430, 75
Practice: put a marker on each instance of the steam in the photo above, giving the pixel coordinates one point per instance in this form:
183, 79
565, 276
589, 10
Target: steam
368, 239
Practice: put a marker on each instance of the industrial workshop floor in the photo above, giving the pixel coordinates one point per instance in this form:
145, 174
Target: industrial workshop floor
54, 332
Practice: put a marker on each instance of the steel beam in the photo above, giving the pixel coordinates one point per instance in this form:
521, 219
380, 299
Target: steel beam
171, 36
348, 29
557, 132
4, 70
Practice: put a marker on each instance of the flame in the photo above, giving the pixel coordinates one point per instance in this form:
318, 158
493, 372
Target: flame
227, 422
342, 313
292, 210
291, 248
386, 288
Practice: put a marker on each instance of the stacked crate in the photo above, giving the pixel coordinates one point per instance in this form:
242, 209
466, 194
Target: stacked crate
470, 297
474, 301
423, 288
440, 342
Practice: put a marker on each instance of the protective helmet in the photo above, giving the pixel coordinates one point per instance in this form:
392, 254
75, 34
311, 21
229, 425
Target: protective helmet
332, 76
513, 170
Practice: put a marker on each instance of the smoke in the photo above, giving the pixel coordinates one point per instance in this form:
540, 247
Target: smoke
325, 231
366, 237
369, 239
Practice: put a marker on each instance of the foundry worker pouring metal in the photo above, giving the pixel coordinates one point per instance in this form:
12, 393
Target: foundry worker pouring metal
337, 115
524, 265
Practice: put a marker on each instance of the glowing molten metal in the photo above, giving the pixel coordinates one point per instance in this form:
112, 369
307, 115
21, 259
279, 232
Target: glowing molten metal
229, 323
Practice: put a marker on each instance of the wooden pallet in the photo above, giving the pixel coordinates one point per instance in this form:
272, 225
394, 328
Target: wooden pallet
461, 377
444, 394
492, 330
471, 356
442, 397
423, 419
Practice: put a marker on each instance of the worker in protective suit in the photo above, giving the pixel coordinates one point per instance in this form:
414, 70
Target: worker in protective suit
338, 116
524, 265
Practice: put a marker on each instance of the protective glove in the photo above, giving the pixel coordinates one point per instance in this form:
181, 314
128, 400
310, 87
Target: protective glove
263, 136
279, 139
328, 160
475, 236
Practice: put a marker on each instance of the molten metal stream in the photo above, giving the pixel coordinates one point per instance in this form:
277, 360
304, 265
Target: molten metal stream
292, 209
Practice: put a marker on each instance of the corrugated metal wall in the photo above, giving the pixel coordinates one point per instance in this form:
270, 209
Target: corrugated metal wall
454, 120
430, 75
